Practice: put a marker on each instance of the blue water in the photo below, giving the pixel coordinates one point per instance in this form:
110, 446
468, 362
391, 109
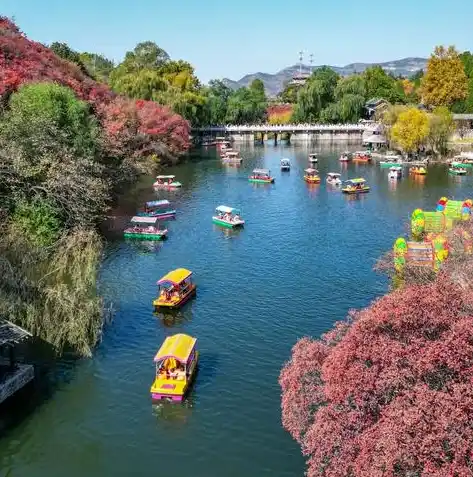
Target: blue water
304, 259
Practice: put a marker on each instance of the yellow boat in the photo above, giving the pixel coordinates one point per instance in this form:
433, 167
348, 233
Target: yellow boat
418, 171
312, 176
175, 289
355, 186
176, 365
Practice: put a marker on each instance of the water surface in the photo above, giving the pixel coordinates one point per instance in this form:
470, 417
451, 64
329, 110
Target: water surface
303, 260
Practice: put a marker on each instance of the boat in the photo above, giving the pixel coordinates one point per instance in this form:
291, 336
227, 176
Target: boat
145, 228
333, 178
457, 169
362, 156
466, 158
261, 176
158, 208
175, 289
418, 170
232, 157
345, 157
395, 172
356, 186
176, 366
166, 182
391, 160
228, 217
312, 176
313, 158
285, 165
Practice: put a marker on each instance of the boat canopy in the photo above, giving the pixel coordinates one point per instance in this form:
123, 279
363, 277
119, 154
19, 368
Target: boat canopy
178, 346
261, 171
310, 170
157, 203
232, 153
363, 152
144, 220
227, 210
313, 154
334, 174
165, 177
285, 161
395, 168
358, 180
175, 277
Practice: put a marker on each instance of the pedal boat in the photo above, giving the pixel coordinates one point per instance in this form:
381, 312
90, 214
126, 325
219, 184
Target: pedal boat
311, 176
158, 208
285, 165
355, 186
145, 228
166, 182
175, 289
228, 217
261, 176
333, 178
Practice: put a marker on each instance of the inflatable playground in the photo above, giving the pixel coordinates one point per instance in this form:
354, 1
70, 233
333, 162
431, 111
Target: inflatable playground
432, 233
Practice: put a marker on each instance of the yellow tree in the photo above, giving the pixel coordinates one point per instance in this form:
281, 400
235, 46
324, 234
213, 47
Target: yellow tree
445, 80
410, 129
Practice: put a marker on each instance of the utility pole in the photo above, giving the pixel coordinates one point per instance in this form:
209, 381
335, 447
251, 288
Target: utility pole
311, 63
301, 56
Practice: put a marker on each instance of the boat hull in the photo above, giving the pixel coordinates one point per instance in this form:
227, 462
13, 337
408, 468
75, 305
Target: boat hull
312, 180
229, 225
285, 168
175, 185
457, 173
161, 215
354, 192
261, 181
160, 303
145, 236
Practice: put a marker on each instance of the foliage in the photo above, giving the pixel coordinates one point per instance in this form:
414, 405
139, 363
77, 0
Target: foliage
279, 113
65, 52
411, 129
289, 93
38, 221
387, 393
97, 66
381, 85
218, 94
445, 80
247, 105
441, 126
354, 85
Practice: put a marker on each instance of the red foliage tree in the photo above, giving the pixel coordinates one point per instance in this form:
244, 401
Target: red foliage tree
388, 393
279, 113
22, 61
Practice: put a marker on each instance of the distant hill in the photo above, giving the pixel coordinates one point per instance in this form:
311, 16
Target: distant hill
275, 83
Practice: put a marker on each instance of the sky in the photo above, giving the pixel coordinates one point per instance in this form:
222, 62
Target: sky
231, 39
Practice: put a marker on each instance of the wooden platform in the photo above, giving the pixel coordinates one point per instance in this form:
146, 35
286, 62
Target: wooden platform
13, 380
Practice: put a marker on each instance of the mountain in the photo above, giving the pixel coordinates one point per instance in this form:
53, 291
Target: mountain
275, 83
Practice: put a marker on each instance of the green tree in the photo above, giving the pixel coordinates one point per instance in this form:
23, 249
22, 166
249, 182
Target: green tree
289, 93
247, 105
354, 84
411, 129
64, 51
445, 80
381, 85
441, 126
97, 66
467, 59
218, 94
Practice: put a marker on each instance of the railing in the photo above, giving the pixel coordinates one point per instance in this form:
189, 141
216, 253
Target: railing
282, 128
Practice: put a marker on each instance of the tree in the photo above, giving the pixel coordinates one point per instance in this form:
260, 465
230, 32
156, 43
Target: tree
445, 80
218, 94
467, 59
381, 85
65, 52
289, 93
354, 84
97, 66
411, 129
441, 127
146, 54
388, 392
247, 105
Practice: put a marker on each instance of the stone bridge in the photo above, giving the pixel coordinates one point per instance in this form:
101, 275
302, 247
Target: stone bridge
293, 132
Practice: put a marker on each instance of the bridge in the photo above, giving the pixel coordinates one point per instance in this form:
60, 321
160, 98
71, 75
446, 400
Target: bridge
293, 132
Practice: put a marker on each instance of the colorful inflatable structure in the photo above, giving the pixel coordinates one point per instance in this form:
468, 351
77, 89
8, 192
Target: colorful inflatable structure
455, 209
427, 223
429, 254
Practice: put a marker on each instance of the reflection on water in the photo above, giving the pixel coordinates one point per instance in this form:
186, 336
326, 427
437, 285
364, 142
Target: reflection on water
229, 233
175, 318
145, 246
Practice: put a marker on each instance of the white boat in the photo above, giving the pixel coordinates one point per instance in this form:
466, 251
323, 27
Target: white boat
395, 172
232, 157
334, 178
313, 158
345, 157
228, 217
166, 182
285, 164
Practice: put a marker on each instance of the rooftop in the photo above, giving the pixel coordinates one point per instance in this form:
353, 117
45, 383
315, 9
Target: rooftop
11, 334
466, 117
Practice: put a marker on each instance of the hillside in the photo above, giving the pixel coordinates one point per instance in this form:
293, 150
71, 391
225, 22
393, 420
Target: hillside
274, 83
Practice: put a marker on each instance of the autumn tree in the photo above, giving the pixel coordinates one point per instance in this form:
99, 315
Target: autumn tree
388, 392
410, 129
445, 80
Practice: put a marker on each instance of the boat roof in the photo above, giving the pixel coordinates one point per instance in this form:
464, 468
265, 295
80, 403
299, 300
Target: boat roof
232, 153
260, 171
175, 277
335, 174
165, 177
225, 209
157, 203
310, 169
144, 220
363, 152
395, 168
284, 159
358, 180
313, 154
178, 346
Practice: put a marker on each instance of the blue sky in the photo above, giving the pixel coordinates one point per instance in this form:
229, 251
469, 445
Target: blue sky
230, 39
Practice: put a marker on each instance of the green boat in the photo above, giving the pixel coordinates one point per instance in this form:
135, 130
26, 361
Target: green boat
145, 228
261, 176
457, 169
228, 217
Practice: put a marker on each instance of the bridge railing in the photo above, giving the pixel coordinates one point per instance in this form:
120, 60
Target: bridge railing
282, 127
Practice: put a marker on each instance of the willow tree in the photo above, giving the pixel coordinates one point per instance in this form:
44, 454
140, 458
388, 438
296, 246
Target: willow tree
445, 80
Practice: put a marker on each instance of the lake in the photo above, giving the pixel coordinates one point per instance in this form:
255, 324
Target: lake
304, 258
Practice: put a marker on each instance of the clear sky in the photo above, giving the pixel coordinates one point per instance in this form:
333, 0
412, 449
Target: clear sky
231, 39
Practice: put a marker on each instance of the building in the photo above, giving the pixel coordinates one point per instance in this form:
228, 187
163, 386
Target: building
374, 106
13, 375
